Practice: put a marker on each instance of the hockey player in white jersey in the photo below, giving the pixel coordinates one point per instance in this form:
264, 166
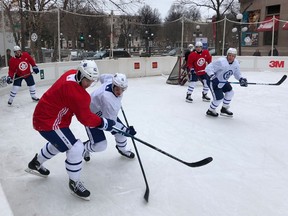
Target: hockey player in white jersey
106, 101
219, 72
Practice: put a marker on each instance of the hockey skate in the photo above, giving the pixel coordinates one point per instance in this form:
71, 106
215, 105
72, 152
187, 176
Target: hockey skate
86, 154
78, 190
188, 98
35, 168
211, 113
205, 97
127, 154
10, 101
225, 112
35, 99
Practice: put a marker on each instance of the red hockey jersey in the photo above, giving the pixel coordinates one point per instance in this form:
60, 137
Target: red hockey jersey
198, 61
60, 102
21, 66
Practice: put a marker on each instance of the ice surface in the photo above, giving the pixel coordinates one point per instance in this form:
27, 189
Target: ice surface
248, 176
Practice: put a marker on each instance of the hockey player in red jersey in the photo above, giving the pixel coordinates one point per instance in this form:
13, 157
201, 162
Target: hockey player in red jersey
52, 117
19, 69
197, 61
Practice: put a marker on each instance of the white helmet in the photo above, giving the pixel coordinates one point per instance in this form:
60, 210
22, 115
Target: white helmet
16, 48
198, 44
190, 46
232, 51
120, 80
89, 70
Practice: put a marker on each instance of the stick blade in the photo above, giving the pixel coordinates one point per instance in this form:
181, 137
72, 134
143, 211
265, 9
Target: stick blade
281, 80
200, 163
3, 81
146, 195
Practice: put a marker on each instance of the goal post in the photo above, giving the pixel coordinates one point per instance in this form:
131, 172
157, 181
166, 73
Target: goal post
178, 76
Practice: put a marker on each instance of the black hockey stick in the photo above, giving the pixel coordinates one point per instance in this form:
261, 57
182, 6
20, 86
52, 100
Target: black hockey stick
146, 195
190, 164
274, 84
3, 79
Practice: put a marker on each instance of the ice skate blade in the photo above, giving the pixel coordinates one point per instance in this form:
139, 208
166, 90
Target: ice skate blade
84, 198
225, 115
205, 100
211, 116
189, 101
33, 172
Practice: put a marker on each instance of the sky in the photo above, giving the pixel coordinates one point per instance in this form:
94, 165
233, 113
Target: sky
248, 175
163, 6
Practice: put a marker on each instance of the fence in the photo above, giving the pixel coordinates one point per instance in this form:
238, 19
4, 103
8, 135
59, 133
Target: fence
56, 35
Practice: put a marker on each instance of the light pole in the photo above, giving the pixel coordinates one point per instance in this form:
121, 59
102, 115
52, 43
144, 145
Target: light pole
148, 41
239, 30
197, 33
129, 39
61, 40
90, 42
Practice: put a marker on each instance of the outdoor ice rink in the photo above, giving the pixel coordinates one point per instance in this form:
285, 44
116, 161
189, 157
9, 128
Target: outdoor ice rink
248, 176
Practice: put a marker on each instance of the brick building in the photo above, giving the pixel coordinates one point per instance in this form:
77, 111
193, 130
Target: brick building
261, 34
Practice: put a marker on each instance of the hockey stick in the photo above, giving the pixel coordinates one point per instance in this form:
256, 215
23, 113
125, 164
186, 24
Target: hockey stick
190, 164
3, 79
274, 84
146, 195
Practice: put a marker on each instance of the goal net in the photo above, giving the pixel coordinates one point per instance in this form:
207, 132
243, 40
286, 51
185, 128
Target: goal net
178, 75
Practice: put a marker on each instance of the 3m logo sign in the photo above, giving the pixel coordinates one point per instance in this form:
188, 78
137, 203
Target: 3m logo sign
276, 64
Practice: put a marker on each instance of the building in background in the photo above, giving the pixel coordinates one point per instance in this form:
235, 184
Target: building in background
260, 36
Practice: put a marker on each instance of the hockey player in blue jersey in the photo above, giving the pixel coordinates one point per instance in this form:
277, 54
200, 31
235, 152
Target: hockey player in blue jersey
219, 72
106, 101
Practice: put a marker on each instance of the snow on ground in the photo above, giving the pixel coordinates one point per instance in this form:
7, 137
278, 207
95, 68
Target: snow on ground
248, 175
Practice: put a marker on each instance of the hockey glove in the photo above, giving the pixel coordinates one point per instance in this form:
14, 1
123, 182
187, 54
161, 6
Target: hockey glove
35, 69
9, 80
191, 72
214, 80
107, 124
130, 130
243, 82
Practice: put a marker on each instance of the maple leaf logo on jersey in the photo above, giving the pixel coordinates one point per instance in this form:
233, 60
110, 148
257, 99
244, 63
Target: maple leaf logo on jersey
227, 74
201, 62
23, 66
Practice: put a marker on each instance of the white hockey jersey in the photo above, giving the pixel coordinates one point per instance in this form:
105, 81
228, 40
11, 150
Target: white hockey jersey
103, 101
223, 70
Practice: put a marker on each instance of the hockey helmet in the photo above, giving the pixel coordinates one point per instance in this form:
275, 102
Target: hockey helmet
120, 80
89, 70
190, 46
232, 51
16, 48
198, 44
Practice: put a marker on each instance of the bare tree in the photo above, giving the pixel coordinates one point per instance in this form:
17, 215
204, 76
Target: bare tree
150, 20
220, 7
176, 12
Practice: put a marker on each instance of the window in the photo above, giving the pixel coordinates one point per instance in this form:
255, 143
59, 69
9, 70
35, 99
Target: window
268, 38
270, 11
273, 10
